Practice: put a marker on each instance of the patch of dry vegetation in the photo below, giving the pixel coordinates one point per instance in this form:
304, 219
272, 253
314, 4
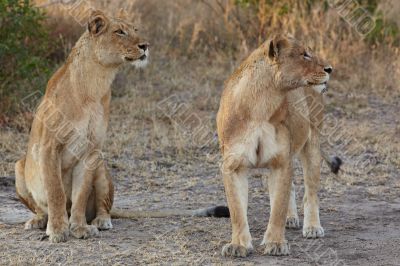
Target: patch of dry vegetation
155, 156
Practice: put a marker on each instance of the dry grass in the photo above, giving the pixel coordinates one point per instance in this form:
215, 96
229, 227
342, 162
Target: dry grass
157, 161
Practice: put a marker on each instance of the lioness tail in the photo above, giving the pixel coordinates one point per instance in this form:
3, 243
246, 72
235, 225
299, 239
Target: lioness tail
218, 211
334, 163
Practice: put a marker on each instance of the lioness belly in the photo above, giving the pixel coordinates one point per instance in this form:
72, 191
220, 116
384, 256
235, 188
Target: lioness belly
300, 133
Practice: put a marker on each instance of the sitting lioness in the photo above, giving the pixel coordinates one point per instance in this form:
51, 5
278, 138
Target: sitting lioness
62, 178
63, 172
266, 117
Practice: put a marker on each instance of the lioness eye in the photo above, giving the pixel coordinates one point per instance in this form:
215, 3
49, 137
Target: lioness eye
307, 56
120, 32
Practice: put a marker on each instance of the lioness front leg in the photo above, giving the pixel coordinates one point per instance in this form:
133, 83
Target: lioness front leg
311, 159
104, 191
236, 189
279, 184
82, 186
292, 218
57, 226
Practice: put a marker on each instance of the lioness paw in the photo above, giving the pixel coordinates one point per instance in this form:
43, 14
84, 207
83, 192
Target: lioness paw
277, 249
292, 222
59, 236
233, 250
102, 223
36, 223
57, 233
83, 231
313, 232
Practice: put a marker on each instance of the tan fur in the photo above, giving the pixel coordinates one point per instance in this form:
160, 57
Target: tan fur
63, 178
263, 121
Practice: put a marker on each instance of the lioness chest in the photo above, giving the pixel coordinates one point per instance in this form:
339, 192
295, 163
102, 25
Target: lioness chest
258, 134
298, 120
87, 136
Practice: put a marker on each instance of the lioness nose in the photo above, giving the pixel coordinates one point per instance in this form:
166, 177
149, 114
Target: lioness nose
328, 69
143, 46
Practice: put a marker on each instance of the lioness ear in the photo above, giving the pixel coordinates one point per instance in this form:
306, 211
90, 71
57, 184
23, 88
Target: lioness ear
276, 46
98, 23
122, 14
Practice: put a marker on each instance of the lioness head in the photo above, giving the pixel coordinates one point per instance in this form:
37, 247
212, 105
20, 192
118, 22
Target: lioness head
115, 41
297, 65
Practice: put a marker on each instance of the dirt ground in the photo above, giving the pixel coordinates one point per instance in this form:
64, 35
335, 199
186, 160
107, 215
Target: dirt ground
157, 163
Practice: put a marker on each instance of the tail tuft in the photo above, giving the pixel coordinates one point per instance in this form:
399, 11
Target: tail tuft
218, 211
335, 164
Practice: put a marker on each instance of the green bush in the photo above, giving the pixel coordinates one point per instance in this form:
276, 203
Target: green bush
25, 50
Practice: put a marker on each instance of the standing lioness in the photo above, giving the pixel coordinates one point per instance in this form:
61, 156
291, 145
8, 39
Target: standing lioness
62, 172
265, 118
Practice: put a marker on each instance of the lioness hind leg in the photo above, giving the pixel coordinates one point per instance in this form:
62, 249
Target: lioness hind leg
39, 221
236, 189
311, 159
292, 218
104, 191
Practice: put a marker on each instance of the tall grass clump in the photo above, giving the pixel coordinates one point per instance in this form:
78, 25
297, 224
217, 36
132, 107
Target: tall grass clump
202, 33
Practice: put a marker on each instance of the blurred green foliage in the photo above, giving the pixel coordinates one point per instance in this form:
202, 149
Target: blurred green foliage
25, 50
384, 31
